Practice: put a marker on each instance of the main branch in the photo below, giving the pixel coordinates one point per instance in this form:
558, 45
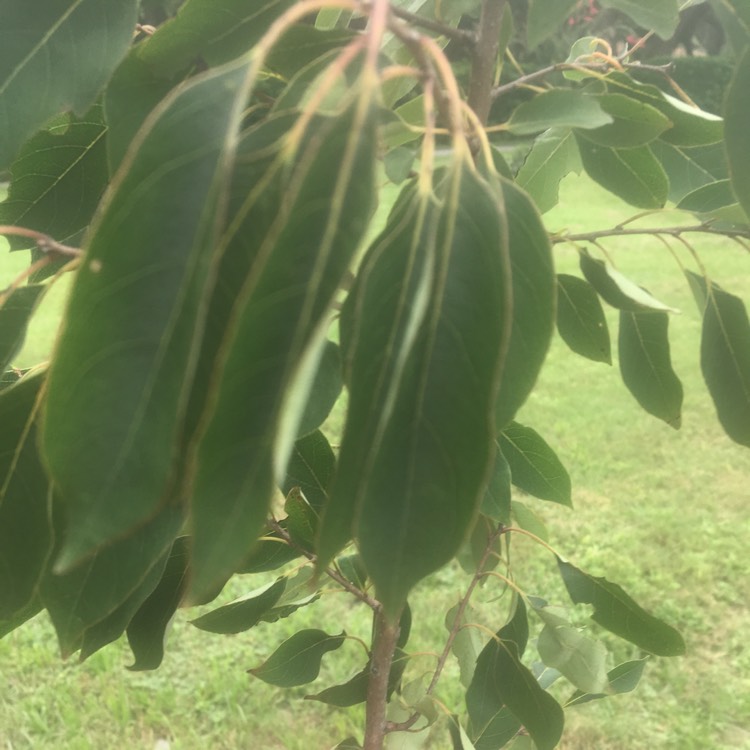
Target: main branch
484, 58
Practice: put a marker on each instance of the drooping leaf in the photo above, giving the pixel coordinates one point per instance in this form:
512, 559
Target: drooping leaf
553, 155
618, 613
634, 123
533, 292
121, 375
26, 534
496, 500
690, 168
558, 108
633, 174
617, 290
725, 357
624, 678
15, 314
545, 17
534, 466
660, 15
297, 660
43, 46
148, 627
646, 365
580, 319
278, 328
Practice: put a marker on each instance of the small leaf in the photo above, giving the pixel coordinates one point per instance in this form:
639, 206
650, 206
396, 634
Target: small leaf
557, 108
297, 660
580, 319
618, 613
302, 520
646, 365
15, 314
634, 123
534, 467
311, 468
617, 290
270, 552
496, 500
660, 15
624, 678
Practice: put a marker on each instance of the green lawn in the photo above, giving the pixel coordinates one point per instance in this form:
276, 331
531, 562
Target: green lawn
658, 511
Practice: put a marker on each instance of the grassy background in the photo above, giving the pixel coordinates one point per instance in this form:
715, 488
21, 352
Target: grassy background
661, 512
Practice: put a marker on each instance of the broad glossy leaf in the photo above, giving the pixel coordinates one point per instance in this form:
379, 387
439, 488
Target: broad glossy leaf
422, 469
565, 648
553, 155
119, 383
534, 466
496, 500
545, 17
501, 680
634, 123
617, 290
15, 314
646, 365
624, 678
618, 613
533, 291
660, 15
717, 201
325, 389
580, 319
690, 168
148, 627
279, 322
558, 108
26, 534
57, 181
297, 660
725, 358
633, 174
56, 55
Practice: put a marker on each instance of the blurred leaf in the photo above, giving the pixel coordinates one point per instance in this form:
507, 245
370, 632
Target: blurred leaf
351, 567
15, 314
618, 613
300, 44
582, 48
660, 15
633, 124
325, 389
580, 319
56, 55
632, 174
617, 290
499, 730
545, 17
553, 155
148, 627
470, 556
557, 108
398, 164
737, 133
123, 365
534, 466
646, 365
528, 520
622, 679
302, 520
459, 738
467, 645
690, 168
496, 500
270, 552
297, 660
734, 16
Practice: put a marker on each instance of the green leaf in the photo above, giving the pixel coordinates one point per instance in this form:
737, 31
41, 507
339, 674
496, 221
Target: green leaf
660, 15
580, 319
633, 124
734, 16
300, 45
579, 658
624, 678
533, 292
56, 55
148, 627
120, 379
297, 660
324, 391
500, 679
270, 552
617, 290
496, 500
528, 519
715, 201
302, 520
558, 108
633, 174
581, 51
725, 358
417, 443
15, 314
545, 17
646, 366
690, 168
26, 534
500, 730
534, 467
553, 155
467, 645
459, 738
277, 333
618, 613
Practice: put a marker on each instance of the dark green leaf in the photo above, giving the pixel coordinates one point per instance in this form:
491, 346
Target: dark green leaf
624, 678
148, 627
580, 319
633, 174
56, 55
500, 730
350, 743
325, 389
534, 466
302, 519
398, 163
534, 288
297, 660
459, 738
660, 15
26, 534
617, 290
558, 108
481, 536
690, 168
15, 313
270, 552
634, 123
737, 133
300, 45
351, 567
618, 613
545, 17
496, 500
646, 365
120, 379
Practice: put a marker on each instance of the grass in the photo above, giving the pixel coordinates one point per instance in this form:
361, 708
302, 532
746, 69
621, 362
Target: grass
661, 512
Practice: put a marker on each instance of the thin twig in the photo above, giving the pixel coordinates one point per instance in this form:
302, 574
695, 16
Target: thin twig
459, 35
675, 232
44, 242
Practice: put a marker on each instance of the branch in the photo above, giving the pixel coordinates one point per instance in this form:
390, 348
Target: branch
43, 241
484, 58
676, 232
458, 35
